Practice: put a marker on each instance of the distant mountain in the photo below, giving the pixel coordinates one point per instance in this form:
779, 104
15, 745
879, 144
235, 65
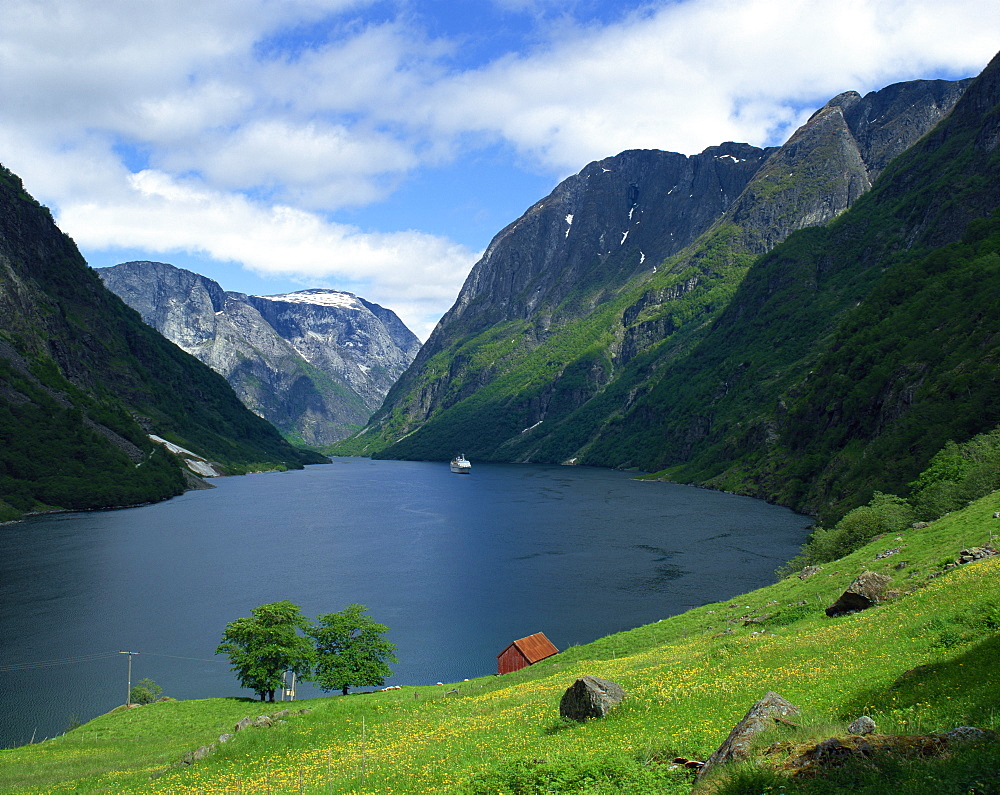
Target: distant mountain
607, 347
315, 363
84, 383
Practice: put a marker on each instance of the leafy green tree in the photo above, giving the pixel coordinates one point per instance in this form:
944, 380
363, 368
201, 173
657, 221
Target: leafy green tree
261, 648
145, 691
350, 650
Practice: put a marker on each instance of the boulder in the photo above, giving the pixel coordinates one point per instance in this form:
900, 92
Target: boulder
866, 590
589, 697
225, 738
970, 734
243, 724
862, 725
737, 745
973, 554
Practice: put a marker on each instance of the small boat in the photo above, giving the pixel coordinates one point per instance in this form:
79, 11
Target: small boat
461, 465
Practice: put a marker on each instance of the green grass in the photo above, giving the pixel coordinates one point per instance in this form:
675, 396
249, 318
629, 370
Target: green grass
926, 660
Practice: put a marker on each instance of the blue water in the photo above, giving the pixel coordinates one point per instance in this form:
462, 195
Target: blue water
456, 566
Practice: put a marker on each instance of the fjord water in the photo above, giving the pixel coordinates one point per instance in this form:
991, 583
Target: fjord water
457, 566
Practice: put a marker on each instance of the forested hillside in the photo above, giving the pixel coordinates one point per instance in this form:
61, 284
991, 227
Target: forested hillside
853, 352
83, 381
738, 360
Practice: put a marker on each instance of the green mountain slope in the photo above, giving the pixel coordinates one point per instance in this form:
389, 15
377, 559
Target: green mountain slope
701, 364
83, 381
852, 352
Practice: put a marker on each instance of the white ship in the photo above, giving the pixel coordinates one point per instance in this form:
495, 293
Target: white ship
461, 465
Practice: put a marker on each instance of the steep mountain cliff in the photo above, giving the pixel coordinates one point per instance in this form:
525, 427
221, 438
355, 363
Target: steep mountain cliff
601, 290
314, 363
853, 352
84, 382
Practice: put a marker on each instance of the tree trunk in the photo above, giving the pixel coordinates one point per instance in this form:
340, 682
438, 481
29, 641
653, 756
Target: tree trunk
345, 690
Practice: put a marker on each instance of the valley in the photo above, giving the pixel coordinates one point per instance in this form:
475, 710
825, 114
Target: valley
812, 324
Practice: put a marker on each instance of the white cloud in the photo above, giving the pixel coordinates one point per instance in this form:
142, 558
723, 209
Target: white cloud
239, 127
320, 165
414, 274
699, 72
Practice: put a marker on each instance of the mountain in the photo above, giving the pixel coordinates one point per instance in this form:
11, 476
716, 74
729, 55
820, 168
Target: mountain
654, 357
315, 363
84, 383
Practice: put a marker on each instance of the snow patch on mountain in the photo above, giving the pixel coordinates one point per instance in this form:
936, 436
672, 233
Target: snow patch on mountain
319, 298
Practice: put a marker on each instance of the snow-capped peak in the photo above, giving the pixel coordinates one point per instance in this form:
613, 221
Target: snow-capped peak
320, 297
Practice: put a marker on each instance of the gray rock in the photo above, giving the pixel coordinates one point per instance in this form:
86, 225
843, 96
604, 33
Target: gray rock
262, 721
243, 724
808, 572
589, 697
867, 589
889, 552
975, 553
862, 725
225, 738
201, 752
969, 734
737, 745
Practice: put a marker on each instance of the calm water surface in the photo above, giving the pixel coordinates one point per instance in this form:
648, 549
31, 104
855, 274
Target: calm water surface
457, 567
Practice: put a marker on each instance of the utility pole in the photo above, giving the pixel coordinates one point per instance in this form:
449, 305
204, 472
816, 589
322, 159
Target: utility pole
128, 697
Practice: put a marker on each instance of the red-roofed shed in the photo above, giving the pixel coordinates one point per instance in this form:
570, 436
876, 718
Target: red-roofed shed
524, 652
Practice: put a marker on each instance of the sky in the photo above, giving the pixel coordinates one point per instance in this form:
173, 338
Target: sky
376, 146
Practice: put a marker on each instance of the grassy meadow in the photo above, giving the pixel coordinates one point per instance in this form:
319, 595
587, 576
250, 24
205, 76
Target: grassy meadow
926, 660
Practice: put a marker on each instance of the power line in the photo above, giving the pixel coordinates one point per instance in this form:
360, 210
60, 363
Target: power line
175, 657
28, 666
50, 663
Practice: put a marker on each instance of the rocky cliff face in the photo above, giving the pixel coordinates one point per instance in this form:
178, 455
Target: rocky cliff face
314, 363
646, 247
835, 157
616, 218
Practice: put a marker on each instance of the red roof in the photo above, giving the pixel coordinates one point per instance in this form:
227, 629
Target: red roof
534, 647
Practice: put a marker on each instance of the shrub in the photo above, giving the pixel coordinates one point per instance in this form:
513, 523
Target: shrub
885, 513
145, 692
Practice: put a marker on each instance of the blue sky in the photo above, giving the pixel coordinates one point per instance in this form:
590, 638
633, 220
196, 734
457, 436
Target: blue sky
378, 145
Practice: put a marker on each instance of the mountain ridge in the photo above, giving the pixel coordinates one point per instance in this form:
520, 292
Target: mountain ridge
315, 363
555, 388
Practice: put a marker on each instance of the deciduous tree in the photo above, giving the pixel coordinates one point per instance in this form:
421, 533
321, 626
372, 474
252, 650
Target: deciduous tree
350, 650
261, 648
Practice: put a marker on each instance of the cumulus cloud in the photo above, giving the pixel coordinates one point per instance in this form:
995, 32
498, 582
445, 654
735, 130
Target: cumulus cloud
688, 75
414, 274
244, 129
